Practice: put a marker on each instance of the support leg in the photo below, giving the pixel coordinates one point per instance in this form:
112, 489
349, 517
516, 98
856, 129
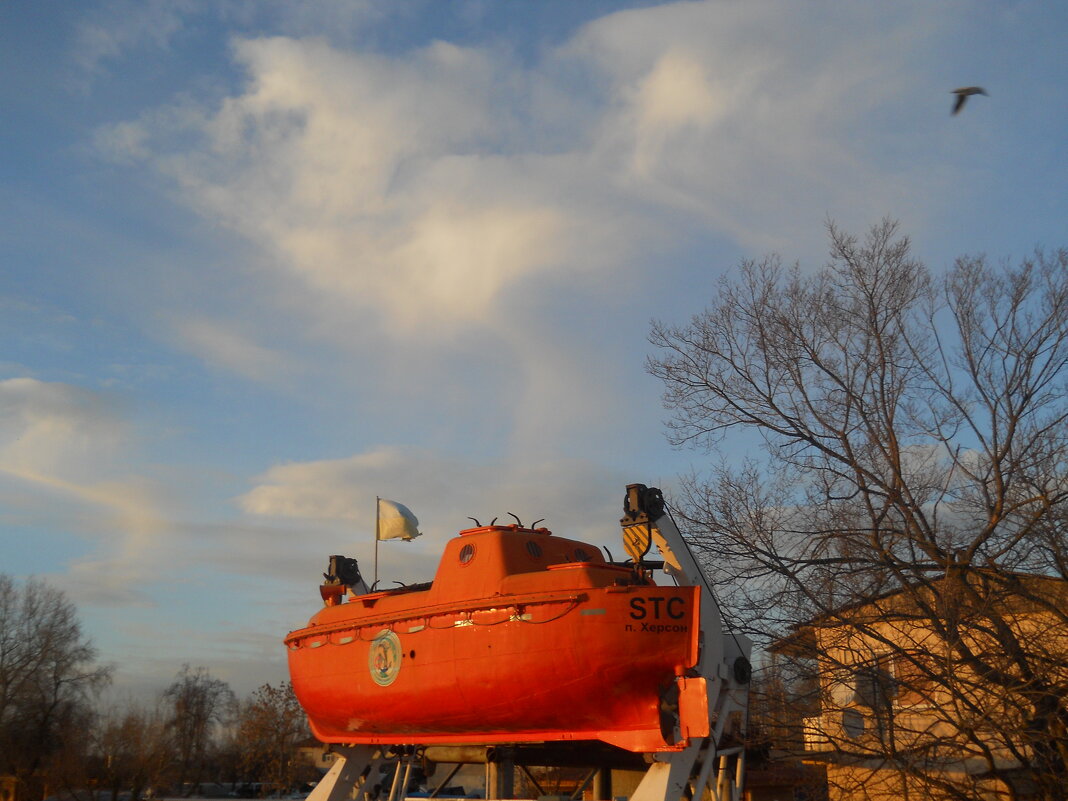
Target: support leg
352, 776
667, 780
602, 785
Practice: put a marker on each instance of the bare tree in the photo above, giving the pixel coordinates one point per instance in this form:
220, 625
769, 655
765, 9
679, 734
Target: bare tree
48, 676
271, 725
198, 703
903, 518
134, 750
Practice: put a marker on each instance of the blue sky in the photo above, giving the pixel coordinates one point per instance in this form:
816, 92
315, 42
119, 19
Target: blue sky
263, 261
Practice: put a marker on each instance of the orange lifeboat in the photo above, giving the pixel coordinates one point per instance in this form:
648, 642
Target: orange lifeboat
521, 637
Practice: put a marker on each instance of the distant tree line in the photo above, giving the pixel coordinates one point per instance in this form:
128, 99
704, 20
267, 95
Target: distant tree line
58, 740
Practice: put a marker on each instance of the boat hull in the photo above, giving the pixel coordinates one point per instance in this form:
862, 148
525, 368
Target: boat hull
571, 664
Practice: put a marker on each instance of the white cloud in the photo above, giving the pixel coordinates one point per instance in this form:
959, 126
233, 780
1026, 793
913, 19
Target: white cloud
427, 208
387, 187
56, 430
221, 345
66, 446
376, 182
414, 192
674, 98
576, 498
747, 116
118, 27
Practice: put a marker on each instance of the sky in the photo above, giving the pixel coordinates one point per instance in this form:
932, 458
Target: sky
262, 261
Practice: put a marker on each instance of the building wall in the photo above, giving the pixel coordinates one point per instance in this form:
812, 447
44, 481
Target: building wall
876, 699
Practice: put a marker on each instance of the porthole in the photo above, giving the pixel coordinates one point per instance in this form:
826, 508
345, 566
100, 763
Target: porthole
582, 555
467, 553
534, 549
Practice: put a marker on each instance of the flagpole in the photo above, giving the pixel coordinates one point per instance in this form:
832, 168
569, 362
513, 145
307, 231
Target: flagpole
378, 505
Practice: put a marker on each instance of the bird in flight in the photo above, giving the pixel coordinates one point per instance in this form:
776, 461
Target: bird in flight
963, 94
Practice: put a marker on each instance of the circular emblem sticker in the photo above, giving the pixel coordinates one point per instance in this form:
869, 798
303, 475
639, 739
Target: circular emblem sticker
384, 660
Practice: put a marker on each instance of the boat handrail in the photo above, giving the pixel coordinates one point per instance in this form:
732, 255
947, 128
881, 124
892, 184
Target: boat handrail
588, 565
402, 615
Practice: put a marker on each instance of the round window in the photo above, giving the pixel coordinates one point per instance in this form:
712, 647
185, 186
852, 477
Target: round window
534, 549
467, 553
582, 555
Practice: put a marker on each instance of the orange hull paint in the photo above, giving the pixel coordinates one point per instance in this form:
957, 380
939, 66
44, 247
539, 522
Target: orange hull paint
515, 641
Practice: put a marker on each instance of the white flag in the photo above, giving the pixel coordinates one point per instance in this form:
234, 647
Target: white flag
396, 521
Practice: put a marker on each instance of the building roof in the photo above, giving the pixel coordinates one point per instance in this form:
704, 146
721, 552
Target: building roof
1011, 591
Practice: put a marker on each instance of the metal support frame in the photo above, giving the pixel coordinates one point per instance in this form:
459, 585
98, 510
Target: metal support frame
356, 770
533, 781
352, 776
500, 774
444, 782
723, 664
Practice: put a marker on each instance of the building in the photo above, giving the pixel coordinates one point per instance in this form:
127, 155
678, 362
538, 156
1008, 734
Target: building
316, 754
957, 688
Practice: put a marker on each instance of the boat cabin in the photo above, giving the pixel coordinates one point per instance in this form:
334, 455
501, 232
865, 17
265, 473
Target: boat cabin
495, 560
